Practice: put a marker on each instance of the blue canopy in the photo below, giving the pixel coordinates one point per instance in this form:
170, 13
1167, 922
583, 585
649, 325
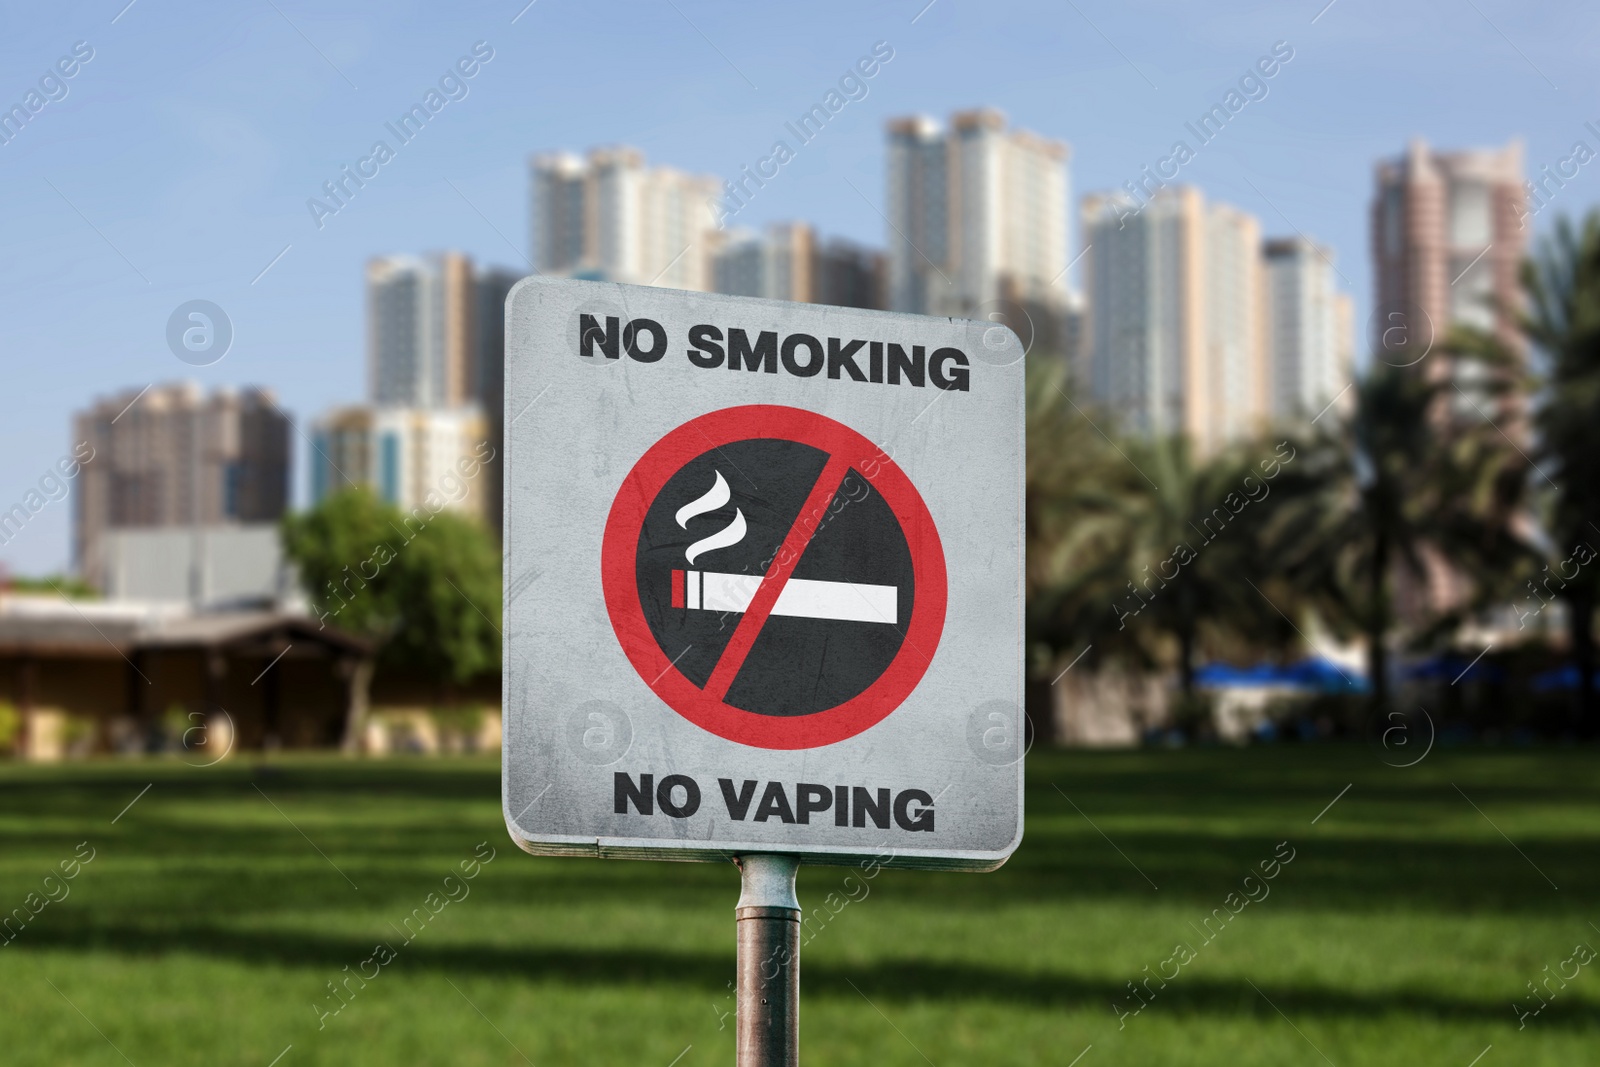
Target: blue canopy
1563, 677
1313, 674
1451, 668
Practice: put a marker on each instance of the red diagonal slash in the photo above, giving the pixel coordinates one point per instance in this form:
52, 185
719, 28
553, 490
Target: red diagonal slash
772, 583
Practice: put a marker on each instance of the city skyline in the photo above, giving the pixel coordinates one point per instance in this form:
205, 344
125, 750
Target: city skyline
1270, 337
1190, 321
210, 201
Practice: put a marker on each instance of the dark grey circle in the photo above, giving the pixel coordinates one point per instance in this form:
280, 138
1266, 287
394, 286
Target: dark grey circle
800, 666
598, 732
1001, 333
995, 732
199, 332
1401, 333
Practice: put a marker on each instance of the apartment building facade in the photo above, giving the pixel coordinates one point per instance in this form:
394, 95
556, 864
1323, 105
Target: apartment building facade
1309, 331
1172, 330
173, 456
977, 215
1447, 243
609, 216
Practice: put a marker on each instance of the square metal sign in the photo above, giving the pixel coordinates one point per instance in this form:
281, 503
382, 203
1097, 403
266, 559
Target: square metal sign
763, 579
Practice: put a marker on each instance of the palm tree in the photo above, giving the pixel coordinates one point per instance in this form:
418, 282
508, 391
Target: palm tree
1139, 549
1195, 566
1562, 321
1077, 488
1560, 318
1413, 482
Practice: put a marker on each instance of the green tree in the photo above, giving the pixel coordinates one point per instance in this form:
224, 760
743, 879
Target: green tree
61, 584
344, 551
1197, 574
426, 586
1562, 321
1077, 489
1141, 551
447, 590
1416, 478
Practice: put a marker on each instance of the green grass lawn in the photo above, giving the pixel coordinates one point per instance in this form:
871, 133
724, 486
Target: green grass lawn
207, 927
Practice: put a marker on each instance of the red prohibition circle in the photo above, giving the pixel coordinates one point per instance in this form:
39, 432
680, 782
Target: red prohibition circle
843, 445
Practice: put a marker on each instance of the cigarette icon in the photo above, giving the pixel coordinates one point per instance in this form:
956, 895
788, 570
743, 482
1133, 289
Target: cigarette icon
801, 598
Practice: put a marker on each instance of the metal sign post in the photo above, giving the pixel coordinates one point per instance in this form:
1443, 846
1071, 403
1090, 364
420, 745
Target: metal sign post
763, 599
768, 990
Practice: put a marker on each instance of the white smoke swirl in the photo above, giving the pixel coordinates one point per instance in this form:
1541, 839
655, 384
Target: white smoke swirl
714, 498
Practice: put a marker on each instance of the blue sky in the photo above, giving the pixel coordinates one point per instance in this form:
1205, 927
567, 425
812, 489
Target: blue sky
180, 161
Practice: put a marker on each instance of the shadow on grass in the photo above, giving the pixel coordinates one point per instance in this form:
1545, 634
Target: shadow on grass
211, 846
890, 981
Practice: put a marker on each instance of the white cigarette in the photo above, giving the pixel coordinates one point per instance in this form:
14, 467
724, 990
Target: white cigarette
802, 598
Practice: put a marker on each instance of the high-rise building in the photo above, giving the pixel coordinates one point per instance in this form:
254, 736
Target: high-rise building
849, 275
786, 261
171, 456
1074, 341
1308, 329
494, 285
429, 458
778, 263
421, 314
1235, 323
919, 215
1447, 243
436, 340
977, 215
609, 216
1448, 240
739, 266
1173, 317
562, 238
1344, 321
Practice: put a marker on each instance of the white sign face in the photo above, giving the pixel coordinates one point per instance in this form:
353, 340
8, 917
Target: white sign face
763, 569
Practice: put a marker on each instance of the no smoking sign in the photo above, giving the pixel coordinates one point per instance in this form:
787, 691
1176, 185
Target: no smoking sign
763, 579
774, 577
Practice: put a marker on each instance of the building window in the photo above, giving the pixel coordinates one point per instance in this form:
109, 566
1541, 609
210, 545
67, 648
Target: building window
1471, 222
1470, 296
231, 475
1393, 220
321, 445
389, 474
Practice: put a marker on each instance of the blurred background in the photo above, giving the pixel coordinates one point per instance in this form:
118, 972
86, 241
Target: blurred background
1311, 298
